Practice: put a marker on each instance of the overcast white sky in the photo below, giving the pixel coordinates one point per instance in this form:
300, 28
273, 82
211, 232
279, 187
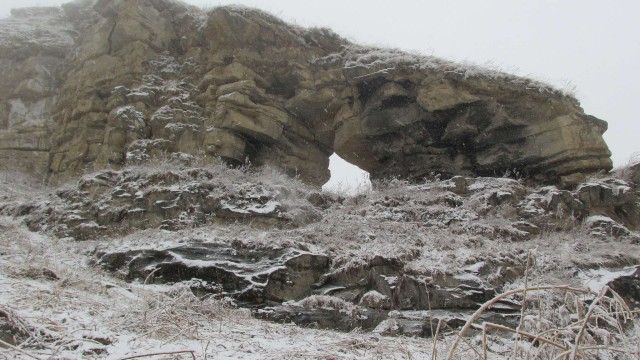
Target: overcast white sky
592, 44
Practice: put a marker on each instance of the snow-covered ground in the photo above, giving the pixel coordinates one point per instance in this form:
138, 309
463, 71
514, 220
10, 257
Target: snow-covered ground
69, 309
58, 304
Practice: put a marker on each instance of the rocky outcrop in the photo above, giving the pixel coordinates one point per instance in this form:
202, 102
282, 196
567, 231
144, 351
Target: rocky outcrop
172, 196
107, 83
607, 199
286, 284
392, 261
252, 276
635, 173
365, 262
108, 203
420, 116
34, 43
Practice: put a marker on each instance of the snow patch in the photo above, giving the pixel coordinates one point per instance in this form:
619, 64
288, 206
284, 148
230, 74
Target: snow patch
596, 279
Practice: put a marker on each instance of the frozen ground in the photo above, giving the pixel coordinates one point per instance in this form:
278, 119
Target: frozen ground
57, 305
69, 310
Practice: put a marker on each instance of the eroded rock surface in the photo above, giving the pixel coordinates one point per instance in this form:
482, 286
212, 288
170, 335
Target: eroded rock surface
628, 286
34, 43
287, 284
106, 83
624, 281
173, 197
124, 90
407, 323
253, 276
635, 173
120, 202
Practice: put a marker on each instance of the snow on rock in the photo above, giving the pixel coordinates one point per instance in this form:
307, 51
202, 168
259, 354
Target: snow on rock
32, 30
88, 314
248, 275
197, 68
30, 114
375, 300
611, 197
118, 202
354, 268
376, 58
605, 227
596, 279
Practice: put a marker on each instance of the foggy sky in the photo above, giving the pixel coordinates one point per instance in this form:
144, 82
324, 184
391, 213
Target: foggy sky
592, 45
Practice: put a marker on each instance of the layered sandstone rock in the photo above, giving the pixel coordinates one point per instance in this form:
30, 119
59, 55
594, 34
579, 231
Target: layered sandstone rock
106, 83
34, 43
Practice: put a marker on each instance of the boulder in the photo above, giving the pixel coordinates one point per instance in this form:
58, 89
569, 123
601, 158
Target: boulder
605, 227
612, 198
627, 285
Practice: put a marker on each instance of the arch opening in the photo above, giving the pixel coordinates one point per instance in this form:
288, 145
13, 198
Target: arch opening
346, 178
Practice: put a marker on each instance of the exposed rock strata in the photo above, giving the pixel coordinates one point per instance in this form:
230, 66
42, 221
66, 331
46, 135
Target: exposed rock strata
265, 270
107, 83
253, 276
628, 286
407, 323
279, 277
175, 197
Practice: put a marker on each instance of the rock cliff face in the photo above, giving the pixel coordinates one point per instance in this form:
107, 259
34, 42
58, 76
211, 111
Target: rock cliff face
102, 84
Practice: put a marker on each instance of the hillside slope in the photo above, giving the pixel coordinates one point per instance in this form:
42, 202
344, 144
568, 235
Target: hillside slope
176, 258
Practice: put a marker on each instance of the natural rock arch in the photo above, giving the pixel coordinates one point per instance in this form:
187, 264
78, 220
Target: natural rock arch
119, 82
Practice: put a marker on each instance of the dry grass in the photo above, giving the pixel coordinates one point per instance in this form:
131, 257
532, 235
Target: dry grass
556, 322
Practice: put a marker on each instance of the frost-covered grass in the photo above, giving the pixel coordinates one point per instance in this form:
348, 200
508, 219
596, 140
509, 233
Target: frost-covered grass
558, 322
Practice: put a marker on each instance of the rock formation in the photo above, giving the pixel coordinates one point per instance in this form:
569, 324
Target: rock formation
111, 203
106, 83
